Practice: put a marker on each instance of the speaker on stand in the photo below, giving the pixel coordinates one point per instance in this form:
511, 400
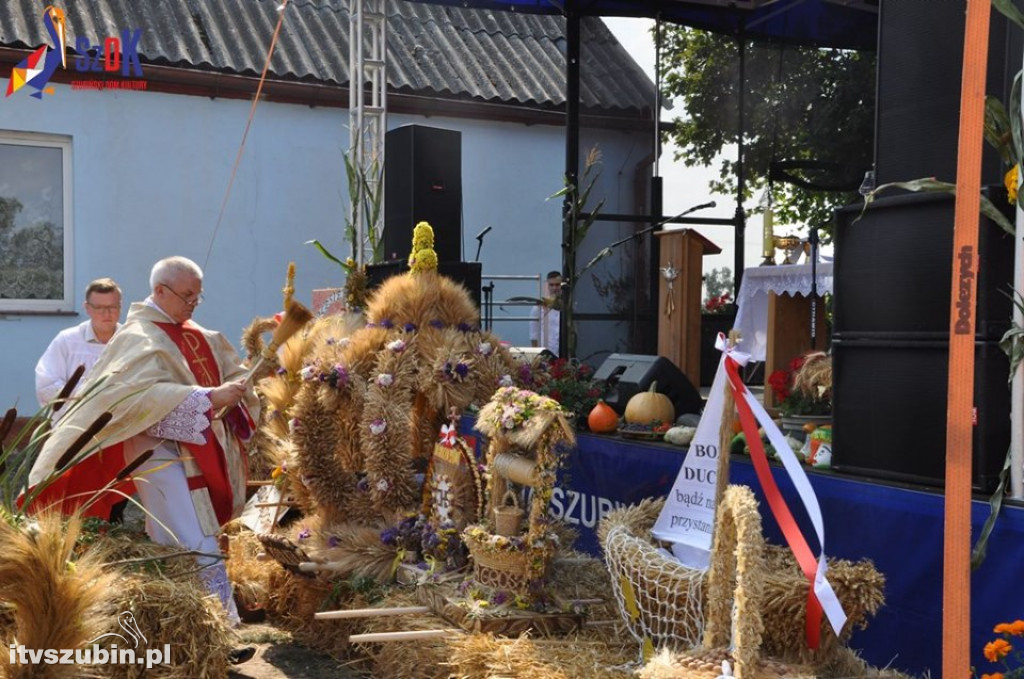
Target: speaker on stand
423, 183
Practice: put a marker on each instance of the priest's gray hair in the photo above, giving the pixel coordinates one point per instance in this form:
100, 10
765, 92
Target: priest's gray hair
168, 270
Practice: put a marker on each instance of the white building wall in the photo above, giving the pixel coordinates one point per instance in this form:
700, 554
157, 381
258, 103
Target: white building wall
151, 170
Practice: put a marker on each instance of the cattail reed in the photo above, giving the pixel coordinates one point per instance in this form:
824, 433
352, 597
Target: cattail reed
69, 386
82, 440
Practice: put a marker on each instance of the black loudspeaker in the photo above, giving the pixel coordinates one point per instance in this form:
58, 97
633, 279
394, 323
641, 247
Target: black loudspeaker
465, 273
920, 62
890, 410
628, 374
892, 268
423, 183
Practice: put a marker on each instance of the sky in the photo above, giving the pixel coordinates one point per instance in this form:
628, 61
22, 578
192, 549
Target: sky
684, 186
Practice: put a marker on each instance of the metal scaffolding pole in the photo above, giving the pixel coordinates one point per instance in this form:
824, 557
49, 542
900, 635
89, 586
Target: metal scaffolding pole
367, 105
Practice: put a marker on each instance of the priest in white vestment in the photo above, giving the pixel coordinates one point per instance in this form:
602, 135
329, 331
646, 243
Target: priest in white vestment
164, 379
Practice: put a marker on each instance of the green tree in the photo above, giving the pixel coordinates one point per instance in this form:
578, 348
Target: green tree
800, 104
718, 282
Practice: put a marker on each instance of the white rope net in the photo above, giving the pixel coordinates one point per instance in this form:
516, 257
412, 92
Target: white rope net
660, 599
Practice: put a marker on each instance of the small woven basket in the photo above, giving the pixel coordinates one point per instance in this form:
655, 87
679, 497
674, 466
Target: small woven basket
508, 516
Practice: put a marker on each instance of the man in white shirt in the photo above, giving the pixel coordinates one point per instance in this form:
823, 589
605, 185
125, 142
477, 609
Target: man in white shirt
81, 344
544, 326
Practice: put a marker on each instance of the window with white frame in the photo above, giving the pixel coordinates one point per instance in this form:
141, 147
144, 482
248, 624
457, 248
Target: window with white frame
35, 223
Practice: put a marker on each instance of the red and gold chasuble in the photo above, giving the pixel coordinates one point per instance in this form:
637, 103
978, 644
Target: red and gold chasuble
208, 456
83, 482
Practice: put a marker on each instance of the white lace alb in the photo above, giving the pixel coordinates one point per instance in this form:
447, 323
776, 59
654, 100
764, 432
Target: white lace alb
187, 421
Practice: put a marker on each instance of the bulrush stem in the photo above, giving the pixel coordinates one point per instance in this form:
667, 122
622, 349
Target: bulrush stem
84, 438
69, 386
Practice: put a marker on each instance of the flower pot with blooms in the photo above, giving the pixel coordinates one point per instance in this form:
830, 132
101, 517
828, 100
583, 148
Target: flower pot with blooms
570, 382
803, 393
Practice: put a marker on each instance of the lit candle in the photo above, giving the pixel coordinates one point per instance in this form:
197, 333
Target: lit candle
769, 237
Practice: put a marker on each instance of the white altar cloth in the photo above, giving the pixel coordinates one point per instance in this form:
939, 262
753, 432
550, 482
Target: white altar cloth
752, 311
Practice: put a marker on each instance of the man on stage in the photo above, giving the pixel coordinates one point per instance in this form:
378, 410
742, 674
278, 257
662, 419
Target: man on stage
164, 379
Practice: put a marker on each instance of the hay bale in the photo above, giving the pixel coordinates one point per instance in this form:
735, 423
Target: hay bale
181, 613
294, 599
484, 655
413, 659
249, 574
707, 664
858, 585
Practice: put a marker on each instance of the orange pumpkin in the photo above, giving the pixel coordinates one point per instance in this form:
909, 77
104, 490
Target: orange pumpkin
649, 407
602, 418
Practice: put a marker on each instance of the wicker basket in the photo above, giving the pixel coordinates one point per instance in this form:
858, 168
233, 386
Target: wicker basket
508, 516
503, 569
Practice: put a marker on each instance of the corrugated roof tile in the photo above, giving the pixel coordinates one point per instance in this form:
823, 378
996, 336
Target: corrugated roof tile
486, 55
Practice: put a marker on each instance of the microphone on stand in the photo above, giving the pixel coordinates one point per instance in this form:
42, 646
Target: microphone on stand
607, 251
480, 241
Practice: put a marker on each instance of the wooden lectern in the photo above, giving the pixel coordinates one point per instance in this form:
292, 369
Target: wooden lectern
679, 293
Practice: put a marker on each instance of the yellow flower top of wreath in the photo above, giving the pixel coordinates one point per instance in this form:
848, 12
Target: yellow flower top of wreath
423, 257
422, 237
423, 260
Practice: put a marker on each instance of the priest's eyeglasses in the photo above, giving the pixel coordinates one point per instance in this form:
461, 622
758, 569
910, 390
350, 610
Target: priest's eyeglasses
190, 302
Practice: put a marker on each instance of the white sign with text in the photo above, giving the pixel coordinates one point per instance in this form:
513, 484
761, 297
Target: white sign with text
688, 518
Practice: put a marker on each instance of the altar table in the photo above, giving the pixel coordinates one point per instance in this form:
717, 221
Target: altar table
760, 284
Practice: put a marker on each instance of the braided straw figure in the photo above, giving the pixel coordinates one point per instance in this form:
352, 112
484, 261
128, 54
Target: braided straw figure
370, 405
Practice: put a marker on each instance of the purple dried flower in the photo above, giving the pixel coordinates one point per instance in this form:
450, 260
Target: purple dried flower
499, 597
389, 536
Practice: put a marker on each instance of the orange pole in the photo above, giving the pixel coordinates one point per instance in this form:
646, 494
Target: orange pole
956, 582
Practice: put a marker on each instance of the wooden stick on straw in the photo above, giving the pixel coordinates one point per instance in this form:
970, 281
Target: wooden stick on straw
404, 636
371, 612
725, 432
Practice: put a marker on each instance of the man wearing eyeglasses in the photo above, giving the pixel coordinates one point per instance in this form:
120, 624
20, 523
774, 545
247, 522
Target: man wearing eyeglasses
81, 344
166, 380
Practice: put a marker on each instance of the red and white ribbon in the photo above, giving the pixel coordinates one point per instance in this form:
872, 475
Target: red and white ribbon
821, 596
448, 434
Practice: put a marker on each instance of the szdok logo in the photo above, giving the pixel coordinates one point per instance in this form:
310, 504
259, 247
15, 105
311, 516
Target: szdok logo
111, 55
